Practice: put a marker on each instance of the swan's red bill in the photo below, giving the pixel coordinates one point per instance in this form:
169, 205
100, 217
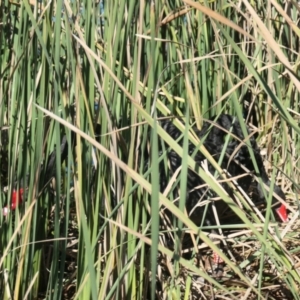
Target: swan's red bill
282, 213
16, 199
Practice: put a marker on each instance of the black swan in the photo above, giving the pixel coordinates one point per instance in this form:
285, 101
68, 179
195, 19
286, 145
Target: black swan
213, 136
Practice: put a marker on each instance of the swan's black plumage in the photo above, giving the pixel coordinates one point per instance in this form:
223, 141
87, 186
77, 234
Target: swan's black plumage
213, 135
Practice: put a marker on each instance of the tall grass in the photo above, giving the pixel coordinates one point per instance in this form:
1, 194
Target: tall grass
94, 233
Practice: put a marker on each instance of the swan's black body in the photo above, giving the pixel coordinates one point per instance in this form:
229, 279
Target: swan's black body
213, 136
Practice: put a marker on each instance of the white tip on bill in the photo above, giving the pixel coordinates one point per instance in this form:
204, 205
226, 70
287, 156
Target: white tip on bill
5, 211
